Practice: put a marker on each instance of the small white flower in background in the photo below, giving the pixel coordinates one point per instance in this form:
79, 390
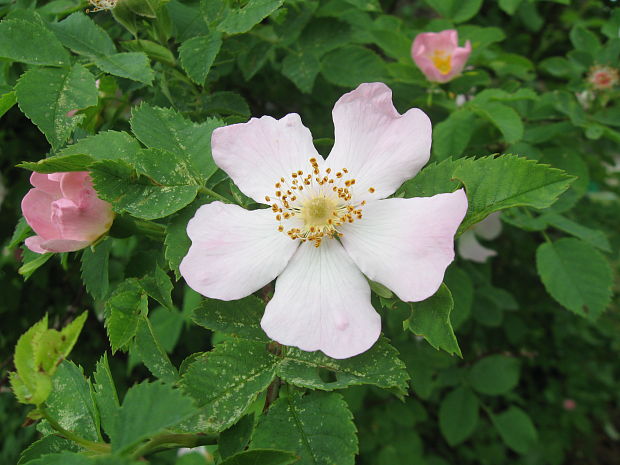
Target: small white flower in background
188, 450
101, 5
488, 229
329, 222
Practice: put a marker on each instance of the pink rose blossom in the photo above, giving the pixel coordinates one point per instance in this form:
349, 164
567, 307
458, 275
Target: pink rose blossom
439, 56
603, 77
329, 225
65, 212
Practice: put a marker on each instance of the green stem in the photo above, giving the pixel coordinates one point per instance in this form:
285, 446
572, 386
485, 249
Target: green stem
90, 445
215, 195
173, 441
154, 230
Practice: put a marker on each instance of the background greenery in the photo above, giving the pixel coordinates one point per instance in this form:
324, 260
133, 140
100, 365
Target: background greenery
537, 325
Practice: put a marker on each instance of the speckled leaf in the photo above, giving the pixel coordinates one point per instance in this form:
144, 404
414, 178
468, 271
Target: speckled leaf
148, 409
161, 187
107, 145
235, 317
47, 96
105, 395
82, 35
122, 312
198, 54
431, 320
576, 275
261, 457
225, 381
159, 287
71, 404
379, 366
59, 164
165, 129
31, 42
49, 444
152, 353
317, 426
131, 65
489, 187
236, 438
243, 19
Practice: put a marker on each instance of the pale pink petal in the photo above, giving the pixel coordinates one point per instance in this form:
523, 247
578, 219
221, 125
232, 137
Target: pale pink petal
459, 58
234, 251
73, 183
44, 183
39, 245
85, 222
380, 148
447, 40
470, 249
258, 153
490, 227
429, 69
322, 302
36, 208
406, 244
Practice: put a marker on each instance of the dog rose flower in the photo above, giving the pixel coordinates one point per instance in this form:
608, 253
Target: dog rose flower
488, 229
439, 56
65, 212
603, 77
329, 222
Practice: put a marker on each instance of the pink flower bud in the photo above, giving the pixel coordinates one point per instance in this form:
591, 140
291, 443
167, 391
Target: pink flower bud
65, 212
439, 56
569, 404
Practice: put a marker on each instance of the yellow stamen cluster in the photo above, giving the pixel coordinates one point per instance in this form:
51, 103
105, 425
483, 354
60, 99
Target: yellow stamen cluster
101, 5
318, 201
442, 61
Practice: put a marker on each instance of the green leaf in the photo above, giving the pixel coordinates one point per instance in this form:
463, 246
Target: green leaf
509, 6
70, 403
495, 375
70, 458
505, 118
46, 96
165, 129
516, 429
82, 35
105, 395
431, 319
336, 66
122, 312
458, 415
95, 269
593, 237
107, 145
148, 409
583, 39
131, 65
31, 42
236, 438
262, 457
243, 19
177, 242
59, 164
434, 179
576, 275
32, 262
457, 10
234, 317
302, 69
152, 353
462, 290
152, 49
7, 101
198, 54
225, 381
158, 286
494, 184
451, 136
165, 186
317, 426
50, 444
379, 366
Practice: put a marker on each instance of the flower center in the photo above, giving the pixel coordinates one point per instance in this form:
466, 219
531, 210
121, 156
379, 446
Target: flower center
442, 61
313, 205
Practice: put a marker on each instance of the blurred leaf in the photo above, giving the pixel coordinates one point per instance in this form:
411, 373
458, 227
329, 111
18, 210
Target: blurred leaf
152, 353
458, 11
236, 438
302, 69
583, 39
316, 426
458, 415
336, 66
451, 136
47, 96
262, 457
50, 444
593, 237
32, 43
243, 19
516, 429
95, 269
431, 320
576, 275
506, 119
7, 101
152, 49
495, 375
509, 6
131, 65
